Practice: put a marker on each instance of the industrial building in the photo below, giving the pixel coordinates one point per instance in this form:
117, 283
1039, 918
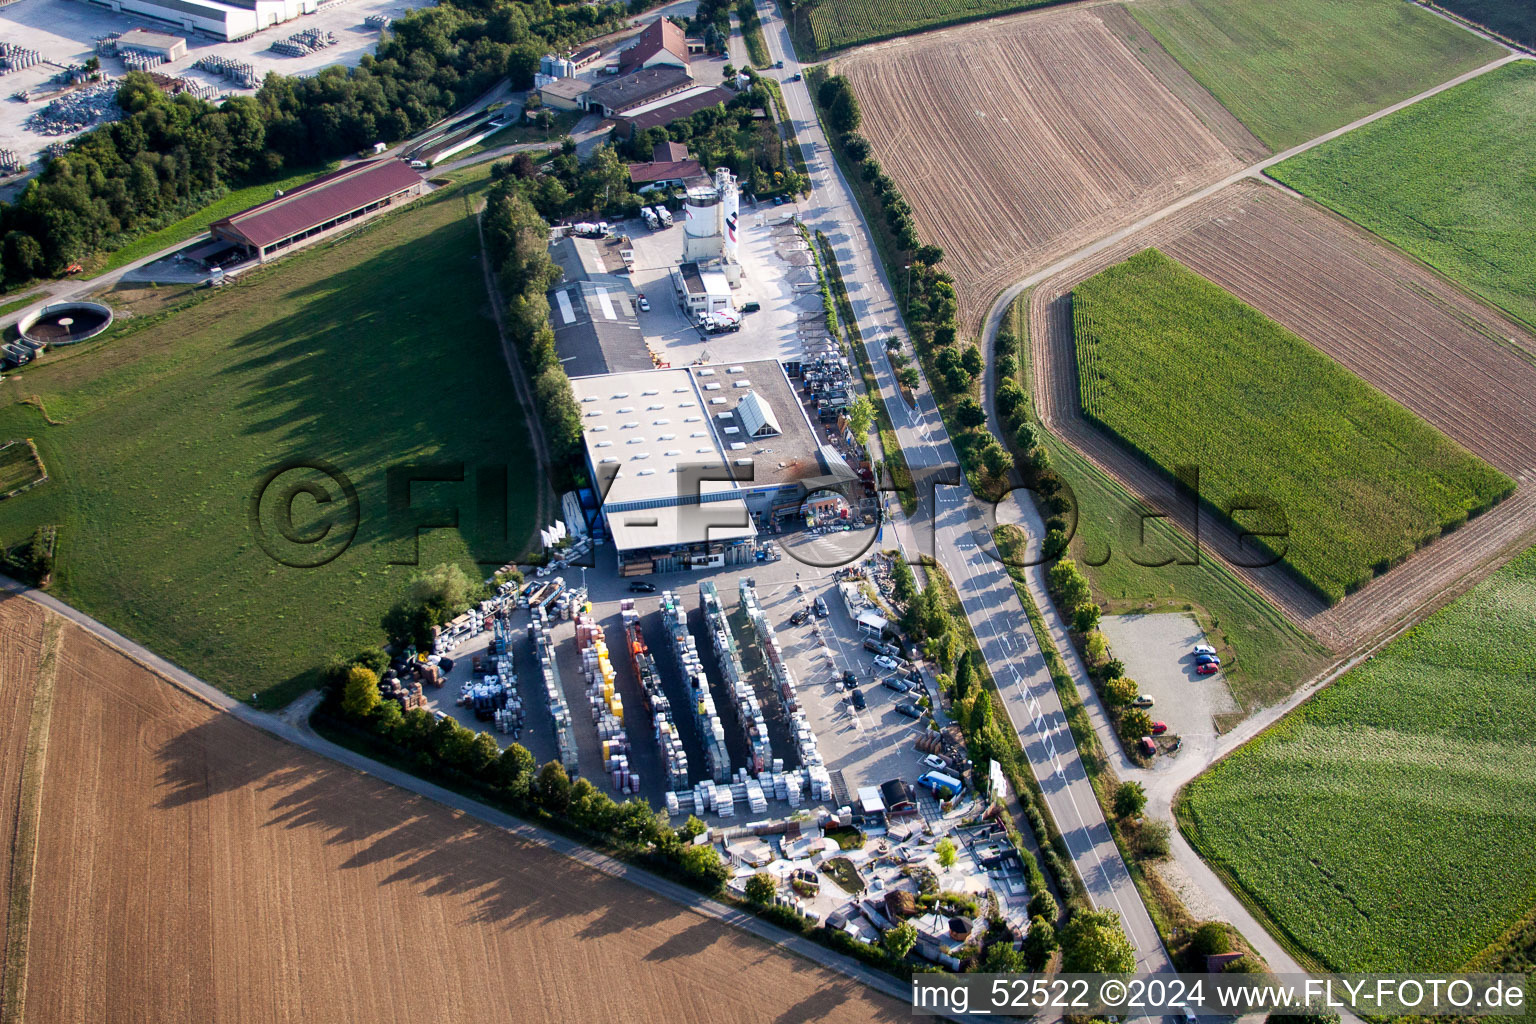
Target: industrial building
592, 310
689, 462
319, 208
157, 44
229, 21
709, 268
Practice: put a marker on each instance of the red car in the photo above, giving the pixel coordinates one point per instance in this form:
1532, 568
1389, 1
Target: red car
1158, 728
1148, 747
1207, 670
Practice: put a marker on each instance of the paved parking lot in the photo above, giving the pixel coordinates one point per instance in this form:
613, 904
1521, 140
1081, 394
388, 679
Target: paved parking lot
868, 747
1156, 651
787, 290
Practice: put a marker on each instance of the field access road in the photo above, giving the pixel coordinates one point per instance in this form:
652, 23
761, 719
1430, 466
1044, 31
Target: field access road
292, 724
955, 529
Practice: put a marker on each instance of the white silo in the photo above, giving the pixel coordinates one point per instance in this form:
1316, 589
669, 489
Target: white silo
730, 204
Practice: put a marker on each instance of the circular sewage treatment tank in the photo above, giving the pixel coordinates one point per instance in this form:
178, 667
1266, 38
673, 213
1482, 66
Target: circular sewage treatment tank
63, 323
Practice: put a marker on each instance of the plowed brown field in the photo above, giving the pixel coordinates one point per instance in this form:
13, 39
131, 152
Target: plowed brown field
1459, 365
192, 868
1019, 138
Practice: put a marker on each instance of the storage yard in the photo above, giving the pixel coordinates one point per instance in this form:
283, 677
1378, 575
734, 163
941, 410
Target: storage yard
707, 699
1016, 138
1384, 318
361, 880
64, 33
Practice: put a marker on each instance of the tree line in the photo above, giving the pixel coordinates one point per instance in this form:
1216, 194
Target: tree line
169, 156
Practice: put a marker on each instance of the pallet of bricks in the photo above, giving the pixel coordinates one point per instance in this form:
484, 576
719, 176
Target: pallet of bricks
717, 763
544, 652
749, 712
406, 693
242, 74
674, 761
818, 779
15, 58
607, 706
492, 693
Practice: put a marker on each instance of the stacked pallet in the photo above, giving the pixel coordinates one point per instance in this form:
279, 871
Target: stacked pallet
560, 711
607, 706
784, 684
674, 762
749, 712
711, 733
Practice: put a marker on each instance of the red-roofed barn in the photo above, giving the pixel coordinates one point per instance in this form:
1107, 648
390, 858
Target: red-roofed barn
320, 207
661, 44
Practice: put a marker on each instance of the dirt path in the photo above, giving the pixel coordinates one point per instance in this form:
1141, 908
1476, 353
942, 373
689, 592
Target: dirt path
545, 508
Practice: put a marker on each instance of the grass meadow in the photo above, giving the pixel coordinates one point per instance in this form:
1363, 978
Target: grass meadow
1188, 375
1449, 180
366, 351
1386, 824
1293, 69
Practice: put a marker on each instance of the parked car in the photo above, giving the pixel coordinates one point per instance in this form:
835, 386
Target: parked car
1185, 1014
850, 680
643, 304
642, 587
822, 611
1158, 728
1148, 746
858, 701
798, 619
1207, 669
751, 307
935, 762
896, 683
910, 708
1146, 700
885, 663
1207, 659
1204, 649
778, 200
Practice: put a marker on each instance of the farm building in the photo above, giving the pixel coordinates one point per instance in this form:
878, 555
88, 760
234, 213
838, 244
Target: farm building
565, 93
663, 111
688, 461
585, 57
661, 44
665, 173
636, 90
157, 44
320, 207
227, 21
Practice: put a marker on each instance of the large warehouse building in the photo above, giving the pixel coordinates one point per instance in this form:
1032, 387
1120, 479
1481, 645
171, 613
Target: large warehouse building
231, 20
319, 208
689, 462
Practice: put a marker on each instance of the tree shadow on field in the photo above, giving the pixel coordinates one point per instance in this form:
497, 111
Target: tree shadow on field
401, 839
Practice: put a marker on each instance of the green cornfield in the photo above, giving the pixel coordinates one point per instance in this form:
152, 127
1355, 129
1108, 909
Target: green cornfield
836, 24
1188, 375
1449, 180
1387, 824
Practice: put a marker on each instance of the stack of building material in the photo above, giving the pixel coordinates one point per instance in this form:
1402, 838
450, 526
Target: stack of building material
783, 680
544, 652
407, 695
378, 21
711, 732
749, 712
607, 705
674, 762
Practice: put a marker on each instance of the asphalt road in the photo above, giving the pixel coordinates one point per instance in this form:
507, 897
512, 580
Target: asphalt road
956, 530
